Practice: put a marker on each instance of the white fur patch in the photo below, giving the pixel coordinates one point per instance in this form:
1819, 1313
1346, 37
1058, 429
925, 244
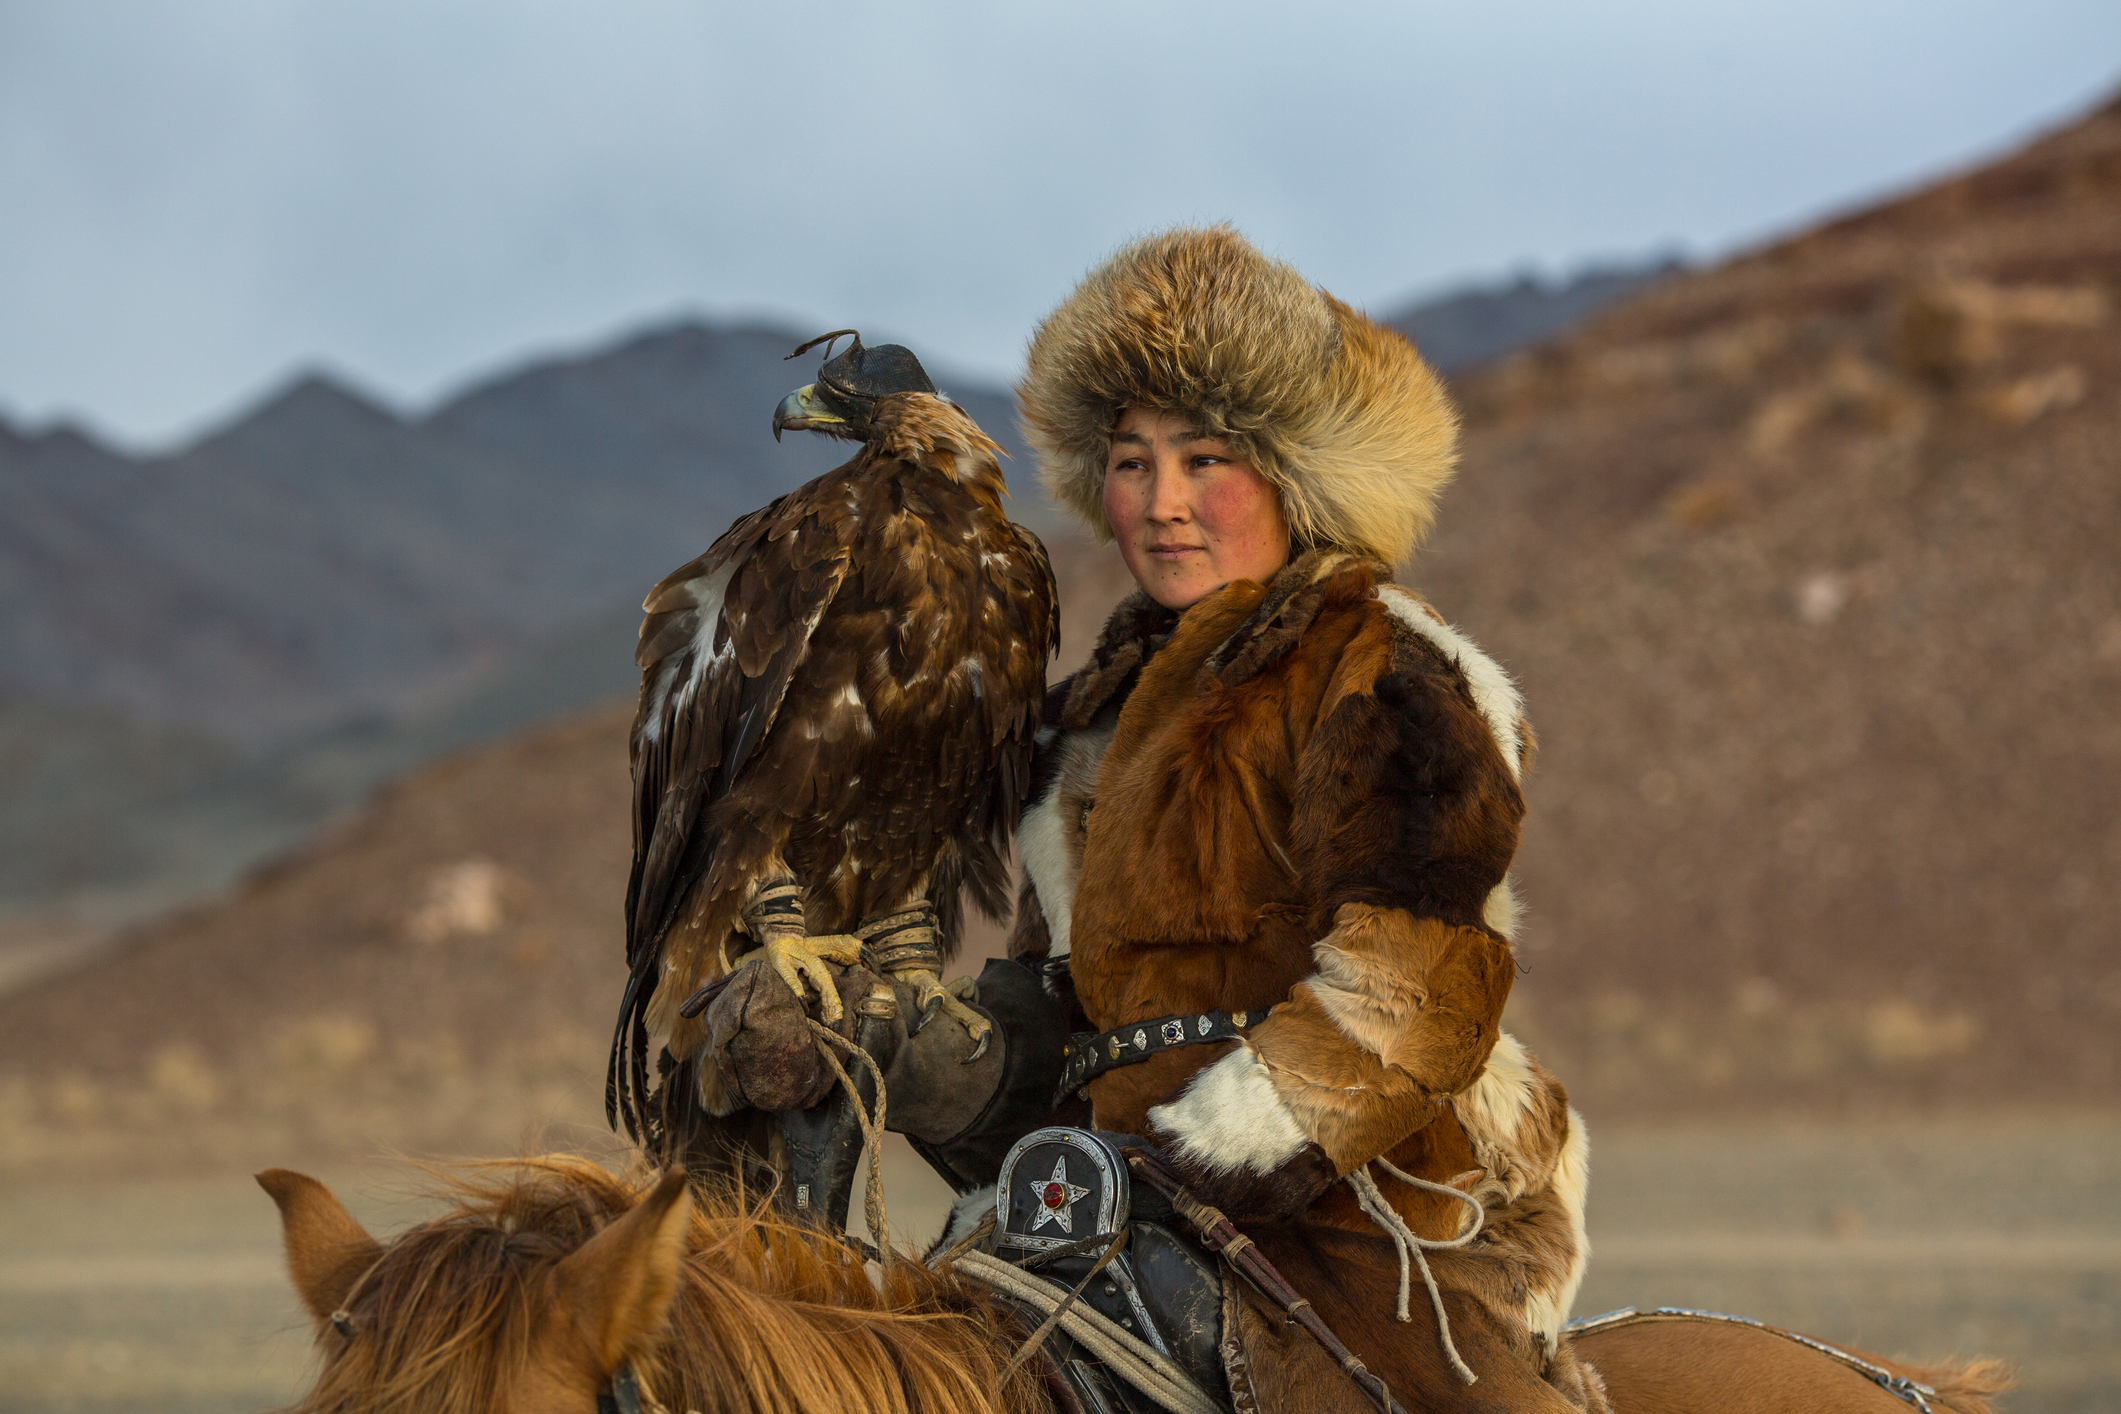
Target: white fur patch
1493, 692
968, 1212
1230, 1118
1050, 837
1492, 1107
1501, 910
1045, 854
1546, 1312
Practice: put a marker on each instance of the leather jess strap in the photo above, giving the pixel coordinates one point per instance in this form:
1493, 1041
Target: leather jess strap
1089, 1055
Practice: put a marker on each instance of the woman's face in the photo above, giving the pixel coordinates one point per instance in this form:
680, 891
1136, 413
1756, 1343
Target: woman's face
1188, 514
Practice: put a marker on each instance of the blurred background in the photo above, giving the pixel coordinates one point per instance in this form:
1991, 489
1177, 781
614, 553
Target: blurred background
362, 365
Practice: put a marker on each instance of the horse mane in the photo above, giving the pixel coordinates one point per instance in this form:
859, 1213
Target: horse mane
769, 1315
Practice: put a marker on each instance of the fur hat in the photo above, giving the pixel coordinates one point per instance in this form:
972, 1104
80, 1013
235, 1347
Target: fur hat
1342, 416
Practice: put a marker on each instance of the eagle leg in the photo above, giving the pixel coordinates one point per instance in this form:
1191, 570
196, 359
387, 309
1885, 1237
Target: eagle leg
775, 918
801, 960
902, 945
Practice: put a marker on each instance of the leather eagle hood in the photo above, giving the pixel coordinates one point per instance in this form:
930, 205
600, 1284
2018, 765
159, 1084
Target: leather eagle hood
1343, 416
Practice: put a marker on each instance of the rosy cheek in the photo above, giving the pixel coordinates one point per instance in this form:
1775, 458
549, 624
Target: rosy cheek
1232, 508
1121, 508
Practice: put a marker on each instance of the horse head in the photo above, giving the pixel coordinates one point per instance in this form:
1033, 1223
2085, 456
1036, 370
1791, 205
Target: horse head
469, 1318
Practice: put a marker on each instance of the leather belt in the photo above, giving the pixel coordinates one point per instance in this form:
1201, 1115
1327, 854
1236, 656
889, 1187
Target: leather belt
1089, 1055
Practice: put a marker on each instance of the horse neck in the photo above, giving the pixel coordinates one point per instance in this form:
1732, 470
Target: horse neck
782, 1318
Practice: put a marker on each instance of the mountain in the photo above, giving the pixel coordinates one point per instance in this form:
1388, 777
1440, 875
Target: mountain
1806, 563
1466, 328
324, 592
323, 558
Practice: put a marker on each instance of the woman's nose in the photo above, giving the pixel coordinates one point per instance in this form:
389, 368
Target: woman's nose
1167, 502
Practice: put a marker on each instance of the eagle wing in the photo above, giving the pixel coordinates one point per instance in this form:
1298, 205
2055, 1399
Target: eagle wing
722, 639
1023, 612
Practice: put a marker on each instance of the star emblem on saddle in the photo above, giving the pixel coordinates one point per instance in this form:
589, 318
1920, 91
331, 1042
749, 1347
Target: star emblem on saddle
1055, 1198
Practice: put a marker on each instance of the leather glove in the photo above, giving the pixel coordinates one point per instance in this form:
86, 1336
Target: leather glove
758, 1034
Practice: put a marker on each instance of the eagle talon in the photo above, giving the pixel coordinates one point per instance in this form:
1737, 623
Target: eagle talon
798, 961
935, 998
930, 1004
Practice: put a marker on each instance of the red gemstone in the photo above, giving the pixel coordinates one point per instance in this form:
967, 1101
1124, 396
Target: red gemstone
1056, 1196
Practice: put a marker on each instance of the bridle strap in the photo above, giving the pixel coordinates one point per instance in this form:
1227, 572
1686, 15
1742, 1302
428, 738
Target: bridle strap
622, 1395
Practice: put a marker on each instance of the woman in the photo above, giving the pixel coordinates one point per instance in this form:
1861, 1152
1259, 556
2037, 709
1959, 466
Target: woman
1282, 782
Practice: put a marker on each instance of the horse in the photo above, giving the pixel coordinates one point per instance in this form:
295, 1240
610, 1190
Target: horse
551, 1285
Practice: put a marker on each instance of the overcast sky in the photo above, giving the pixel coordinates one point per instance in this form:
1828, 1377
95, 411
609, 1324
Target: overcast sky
197, 196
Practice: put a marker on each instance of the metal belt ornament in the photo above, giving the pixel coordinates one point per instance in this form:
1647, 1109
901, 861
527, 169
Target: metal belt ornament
1059, 1186
1090, 1055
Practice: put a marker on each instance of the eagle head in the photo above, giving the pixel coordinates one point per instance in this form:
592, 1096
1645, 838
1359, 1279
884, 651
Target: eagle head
849, 387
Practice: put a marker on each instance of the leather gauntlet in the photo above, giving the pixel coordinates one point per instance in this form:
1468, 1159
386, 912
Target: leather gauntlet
895, 943
776, 911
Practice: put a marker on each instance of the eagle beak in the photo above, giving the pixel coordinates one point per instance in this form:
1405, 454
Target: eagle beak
803, 411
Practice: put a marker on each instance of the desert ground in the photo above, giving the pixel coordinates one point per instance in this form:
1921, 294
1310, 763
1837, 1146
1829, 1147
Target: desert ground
1914, 1237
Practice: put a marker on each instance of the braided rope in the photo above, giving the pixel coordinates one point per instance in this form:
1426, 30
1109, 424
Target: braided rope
873, 1192
1129, 1358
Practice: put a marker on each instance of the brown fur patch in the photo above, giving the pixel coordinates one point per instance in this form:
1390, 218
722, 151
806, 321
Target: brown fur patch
1422, 996
1136, 628
1227, 812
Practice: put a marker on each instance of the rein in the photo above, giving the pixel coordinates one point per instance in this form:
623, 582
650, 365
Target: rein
1911, 1391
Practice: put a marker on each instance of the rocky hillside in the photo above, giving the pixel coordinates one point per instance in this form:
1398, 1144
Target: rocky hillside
434, 975
1811, 567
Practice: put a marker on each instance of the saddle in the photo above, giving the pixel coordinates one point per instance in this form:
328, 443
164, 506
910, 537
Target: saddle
1064, 1198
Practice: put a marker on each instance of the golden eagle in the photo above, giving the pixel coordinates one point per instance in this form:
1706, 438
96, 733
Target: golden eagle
837, 708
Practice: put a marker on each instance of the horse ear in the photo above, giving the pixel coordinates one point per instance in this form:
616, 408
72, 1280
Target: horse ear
618, 1286
326, 1249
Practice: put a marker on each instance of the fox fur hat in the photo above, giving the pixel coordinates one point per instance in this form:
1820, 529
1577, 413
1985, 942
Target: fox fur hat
1346, 420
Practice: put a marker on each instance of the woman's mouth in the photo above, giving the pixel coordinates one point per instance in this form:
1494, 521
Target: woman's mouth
1172, 552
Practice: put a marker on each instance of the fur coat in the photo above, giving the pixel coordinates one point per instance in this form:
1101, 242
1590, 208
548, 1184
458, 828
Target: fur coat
1304, 796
